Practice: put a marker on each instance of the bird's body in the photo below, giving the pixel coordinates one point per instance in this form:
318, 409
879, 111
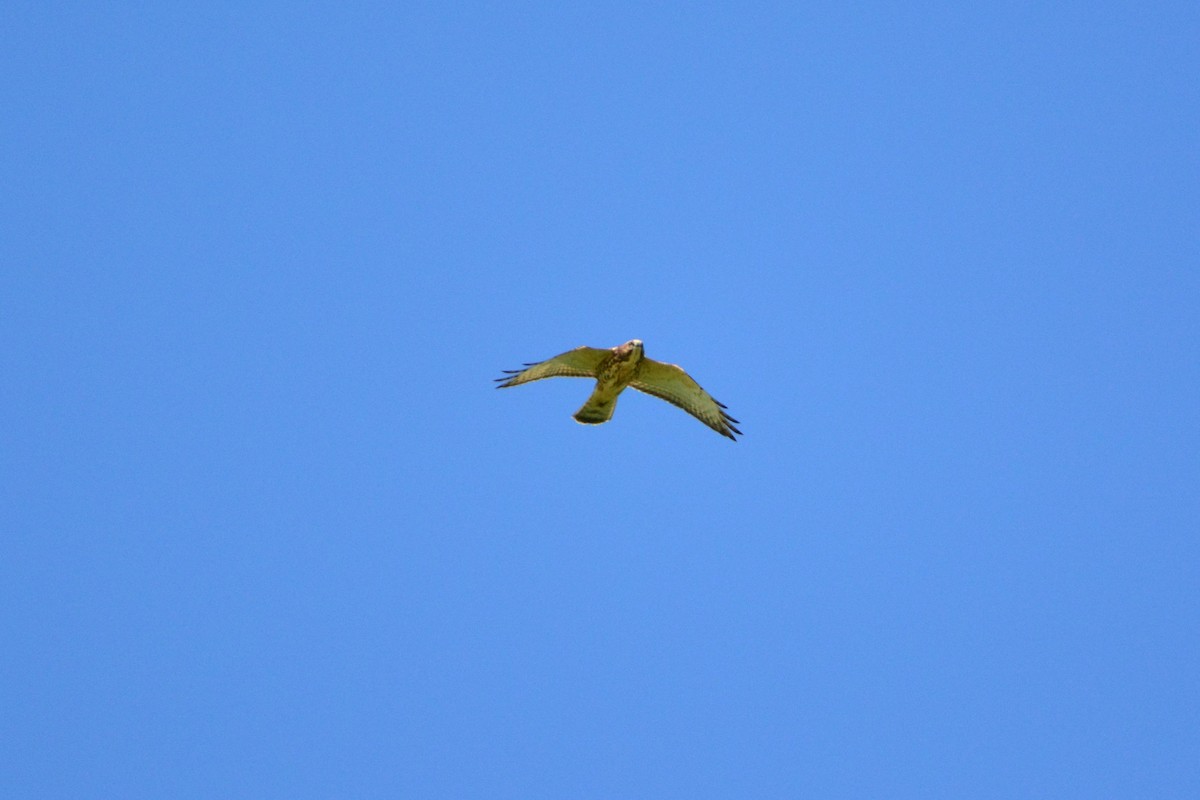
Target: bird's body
619, 367
613, 374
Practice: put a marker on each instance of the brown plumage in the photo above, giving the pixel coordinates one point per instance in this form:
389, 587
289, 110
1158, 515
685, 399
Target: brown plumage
621, 366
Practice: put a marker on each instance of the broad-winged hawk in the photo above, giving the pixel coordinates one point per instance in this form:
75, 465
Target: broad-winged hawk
621, 366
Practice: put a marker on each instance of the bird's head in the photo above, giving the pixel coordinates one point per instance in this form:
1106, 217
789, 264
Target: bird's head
631, 349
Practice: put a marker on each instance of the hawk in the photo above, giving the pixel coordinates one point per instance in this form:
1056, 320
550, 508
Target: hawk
621, 366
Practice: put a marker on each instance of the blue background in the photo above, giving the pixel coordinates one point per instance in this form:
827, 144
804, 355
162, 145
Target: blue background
268, 530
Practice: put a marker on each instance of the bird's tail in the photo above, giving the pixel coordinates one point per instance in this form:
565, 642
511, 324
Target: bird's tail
598, 408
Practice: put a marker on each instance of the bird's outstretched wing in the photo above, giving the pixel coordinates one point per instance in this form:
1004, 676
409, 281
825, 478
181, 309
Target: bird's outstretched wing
669, 382
578, 363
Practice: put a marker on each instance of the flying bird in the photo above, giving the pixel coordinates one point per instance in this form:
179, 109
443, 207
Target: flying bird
621, 366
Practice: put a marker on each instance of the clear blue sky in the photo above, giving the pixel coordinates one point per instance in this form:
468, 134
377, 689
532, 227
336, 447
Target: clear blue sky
269, 532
